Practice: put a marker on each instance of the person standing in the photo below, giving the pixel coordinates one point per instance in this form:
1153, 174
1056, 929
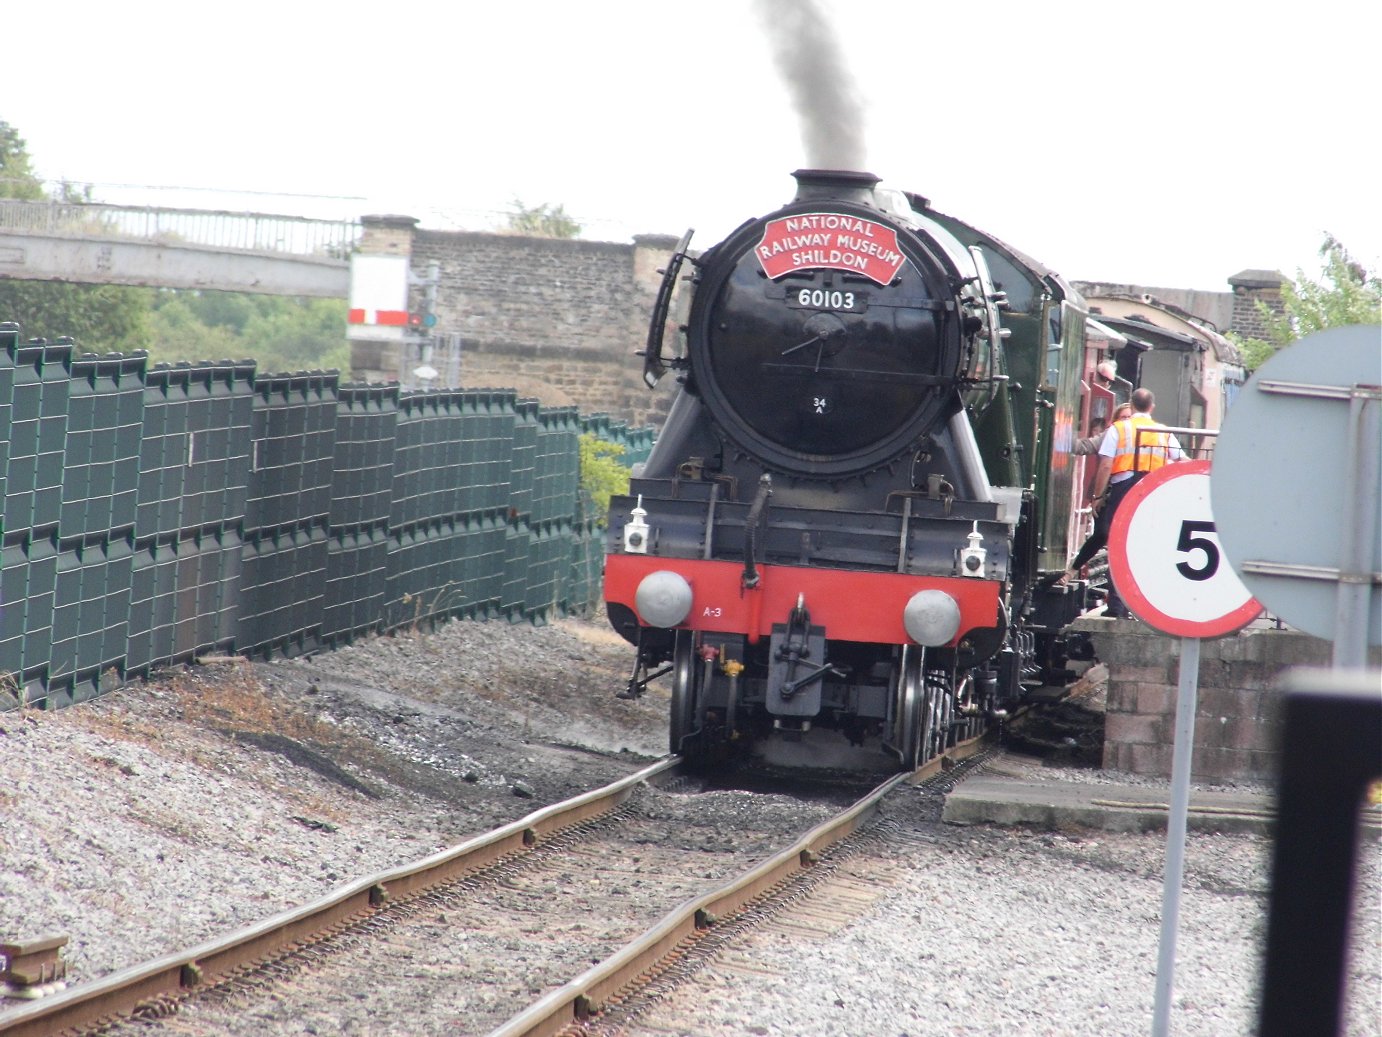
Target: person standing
1097, 536
1124, 458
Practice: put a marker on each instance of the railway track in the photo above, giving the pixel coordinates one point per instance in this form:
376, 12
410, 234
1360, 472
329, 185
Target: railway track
156, 988
612, 994
480, 917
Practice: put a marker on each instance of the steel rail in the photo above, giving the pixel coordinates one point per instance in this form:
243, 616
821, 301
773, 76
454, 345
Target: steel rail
591, 990
122, 992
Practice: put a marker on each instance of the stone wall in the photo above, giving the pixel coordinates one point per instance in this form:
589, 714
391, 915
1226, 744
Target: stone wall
1238, 719
558, 319
544, 294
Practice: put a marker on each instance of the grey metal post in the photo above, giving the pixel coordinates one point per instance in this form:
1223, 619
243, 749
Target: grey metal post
433, 279
1187, 694
1353, 617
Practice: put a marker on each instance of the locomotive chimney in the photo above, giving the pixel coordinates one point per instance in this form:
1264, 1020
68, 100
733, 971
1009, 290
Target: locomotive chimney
836, 184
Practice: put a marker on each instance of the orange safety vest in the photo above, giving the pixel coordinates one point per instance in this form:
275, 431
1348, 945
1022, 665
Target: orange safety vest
1152, 450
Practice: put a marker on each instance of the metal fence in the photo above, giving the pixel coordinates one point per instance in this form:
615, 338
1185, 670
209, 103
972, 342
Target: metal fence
242, 231
155, 514
1196, 444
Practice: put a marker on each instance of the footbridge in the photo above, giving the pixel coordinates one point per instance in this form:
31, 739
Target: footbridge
97, 243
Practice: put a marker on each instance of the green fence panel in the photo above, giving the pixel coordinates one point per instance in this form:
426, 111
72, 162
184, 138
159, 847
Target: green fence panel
640, 445
568, 476
409, 504
218, 449
546, 587
105, 421
478, 554
523, 456
153, 604
207, 595
38, 375
38, 431
293, 436
492, 429
362, 479
163, 451
9, 343
91, 599
14, 592
356, 584
513, 597
421, 575
587, 564
447, 463
40, 550
282, 590
557, 475
407, 582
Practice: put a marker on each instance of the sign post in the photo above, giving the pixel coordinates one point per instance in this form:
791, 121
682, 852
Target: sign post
1165, 560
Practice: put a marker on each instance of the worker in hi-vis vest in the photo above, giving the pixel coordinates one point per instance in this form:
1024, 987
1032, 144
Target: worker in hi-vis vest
1124, 458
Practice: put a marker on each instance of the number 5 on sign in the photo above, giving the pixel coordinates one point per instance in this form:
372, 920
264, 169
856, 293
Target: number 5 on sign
1164, 557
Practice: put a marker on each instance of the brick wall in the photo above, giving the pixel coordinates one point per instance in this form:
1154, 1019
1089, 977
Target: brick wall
1238, 715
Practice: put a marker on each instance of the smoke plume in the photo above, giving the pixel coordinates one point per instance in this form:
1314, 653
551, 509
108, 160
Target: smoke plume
823, 93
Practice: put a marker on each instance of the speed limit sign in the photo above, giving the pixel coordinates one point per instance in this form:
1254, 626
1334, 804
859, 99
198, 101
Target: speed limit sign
1165, 559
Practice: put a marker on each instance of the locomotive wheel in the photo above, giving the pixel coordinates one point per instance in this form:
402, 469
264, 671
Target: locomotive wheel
684, 724
928, 722
945, 716
907, 708
936, 715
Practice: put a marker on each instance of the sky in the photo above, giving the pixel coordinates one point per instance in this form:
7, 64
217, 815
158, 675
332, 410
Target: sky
1168, 144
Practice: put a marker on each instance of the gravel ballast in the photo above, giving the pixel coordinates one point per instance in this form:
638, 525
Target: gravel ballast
164, 814
992, 931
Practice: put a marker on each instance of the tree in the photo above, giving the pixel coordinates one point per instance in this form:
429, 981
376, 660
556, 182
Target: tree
298, 335
283, 335
1348, 294
542, 221
178, 332
602, 475
101, 318
17, 179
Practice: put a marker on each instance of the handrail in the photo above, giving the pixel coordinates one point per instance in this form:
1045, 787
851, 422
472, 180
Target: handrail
1199, 452
238, 231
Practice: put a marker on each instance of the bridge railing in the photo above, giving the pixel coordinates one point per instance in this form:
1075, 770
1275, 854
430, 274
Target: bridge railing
247, 231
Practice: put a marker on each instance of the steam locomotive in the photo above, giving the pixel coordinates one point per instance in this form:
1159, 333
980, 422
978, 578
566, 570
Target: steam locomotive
847, 537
